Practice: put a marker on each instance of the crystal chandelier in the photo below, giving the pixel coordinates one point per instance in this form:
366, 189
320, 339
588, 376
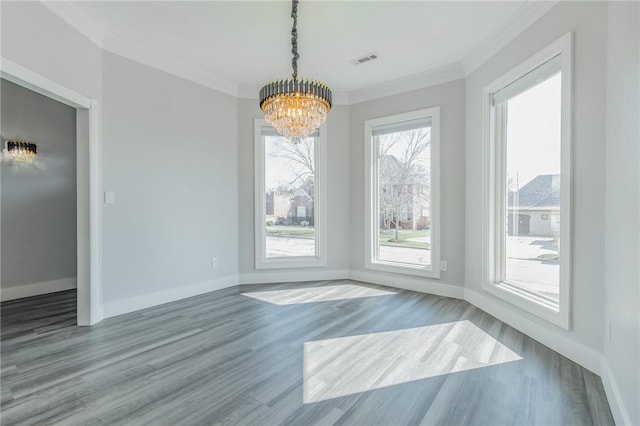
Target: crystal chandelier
21, 150
295, 107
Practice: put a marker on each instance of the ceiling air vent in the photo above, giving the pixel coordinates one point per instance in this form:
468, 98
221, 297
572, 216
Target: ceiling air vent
364, 59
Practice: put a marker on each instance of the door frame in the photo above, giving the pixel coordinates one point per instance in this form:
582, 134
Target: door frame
88, 184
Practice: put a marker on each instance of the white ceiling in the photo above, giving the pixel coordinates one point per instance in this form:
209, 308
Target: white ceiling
247, 43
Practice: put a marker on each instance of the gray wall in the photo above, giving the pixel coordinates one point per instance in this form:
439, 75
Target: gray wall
55, 50
588, 22
174, 210
338, 164
38, 200
450, 97
622, 252
52, 48
170, 156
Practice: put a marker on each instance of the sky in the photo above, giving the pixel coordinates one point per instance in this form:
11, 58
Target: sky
398, 150
533, 138
277, 170
533, 131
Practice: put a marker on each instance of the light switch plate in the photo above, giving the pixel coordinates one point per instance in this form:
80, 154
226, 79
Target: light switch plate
109, 197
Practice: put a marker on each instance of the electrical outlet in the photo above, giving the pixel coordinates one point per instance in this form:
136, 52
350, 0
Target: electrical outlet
214, 262
443, 265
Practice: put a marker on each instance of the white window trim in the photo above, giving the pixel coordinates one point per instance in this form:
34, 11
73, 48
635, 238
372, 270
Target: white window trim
559, 314
371, 196
319, 207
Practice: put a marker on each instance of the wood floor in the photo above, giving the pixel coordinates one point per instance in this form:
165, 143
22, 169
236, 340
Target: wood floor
336, 352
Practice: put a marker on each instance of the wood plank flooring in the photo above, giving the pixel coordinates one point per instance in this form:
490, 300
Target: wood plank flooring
338, 352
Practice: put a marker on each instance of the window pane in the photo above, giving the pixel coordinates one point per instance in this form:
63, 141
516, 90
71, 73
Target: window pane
404, 194
289, 197
532, 237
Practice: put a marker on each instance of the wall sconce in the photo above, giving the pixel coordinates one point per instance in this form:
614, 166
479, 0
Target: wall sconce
21, 150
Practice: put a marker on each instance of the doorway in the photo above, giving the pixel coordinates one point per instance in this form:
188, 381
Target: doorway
88, 206
522, 225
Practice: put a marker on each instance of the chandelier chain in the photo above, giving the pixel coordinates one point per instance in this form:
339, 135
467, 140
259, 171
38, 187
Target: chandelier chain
294, 39
295, 108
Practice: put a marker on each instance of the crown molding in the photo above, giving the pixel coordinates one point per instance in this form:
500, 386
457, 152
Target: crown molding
526, 14
82, 23
131, 51
340, 98
406, 84
77, 20
250, 91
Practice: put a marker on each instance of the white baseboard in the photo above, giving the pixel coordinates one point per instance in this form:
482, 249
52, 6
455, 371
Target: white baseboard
119, 307
421, 285
267, 276
98, 315
575, 351
614, 396
35, 289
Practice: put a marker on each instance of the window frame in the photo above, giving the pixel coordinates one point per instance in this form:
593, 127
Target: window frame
319, 206
494, 192
372, 203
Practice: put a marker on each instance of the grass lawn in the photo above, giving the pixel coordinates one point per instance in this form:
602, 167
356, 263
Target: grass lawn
308, 232
405, 236
283, 231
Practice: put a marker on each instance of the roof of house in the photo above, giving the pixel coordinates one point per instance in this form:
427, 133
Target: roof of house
389, 160
300, 192
542, 192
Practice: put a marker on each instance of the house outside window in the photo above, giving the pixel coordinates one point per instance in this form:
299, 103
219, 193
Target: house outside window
527, 234
402, 193
289, 200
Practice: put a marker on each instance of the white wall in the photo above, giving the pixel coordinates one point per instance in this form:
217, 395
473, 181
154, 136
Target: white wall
450, 97
338, 165
622, 251
588, 22
37, 39
38, 199
170, 156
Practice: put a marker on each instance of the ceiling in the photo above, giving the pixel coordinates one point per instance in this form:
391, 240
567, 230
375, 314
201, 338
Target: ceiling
247, 43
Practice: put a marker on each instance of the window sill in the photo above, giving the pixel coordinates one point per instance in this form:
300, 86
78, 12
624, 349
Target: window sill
291, 262
538, 306
398, 268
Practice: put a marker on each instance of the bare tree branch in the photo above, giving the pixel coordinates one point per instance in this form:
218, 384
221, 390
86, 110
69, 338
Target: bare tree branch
400, 172
300, 157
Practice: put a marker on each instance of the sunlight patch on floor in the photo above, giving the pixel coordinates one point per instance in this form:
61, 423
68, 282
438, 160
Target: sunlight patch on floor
317, 294
355, 364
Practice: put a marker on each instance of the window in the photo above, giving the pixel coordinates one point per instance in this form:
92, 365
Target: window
402, 193
528, 175
289, 200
